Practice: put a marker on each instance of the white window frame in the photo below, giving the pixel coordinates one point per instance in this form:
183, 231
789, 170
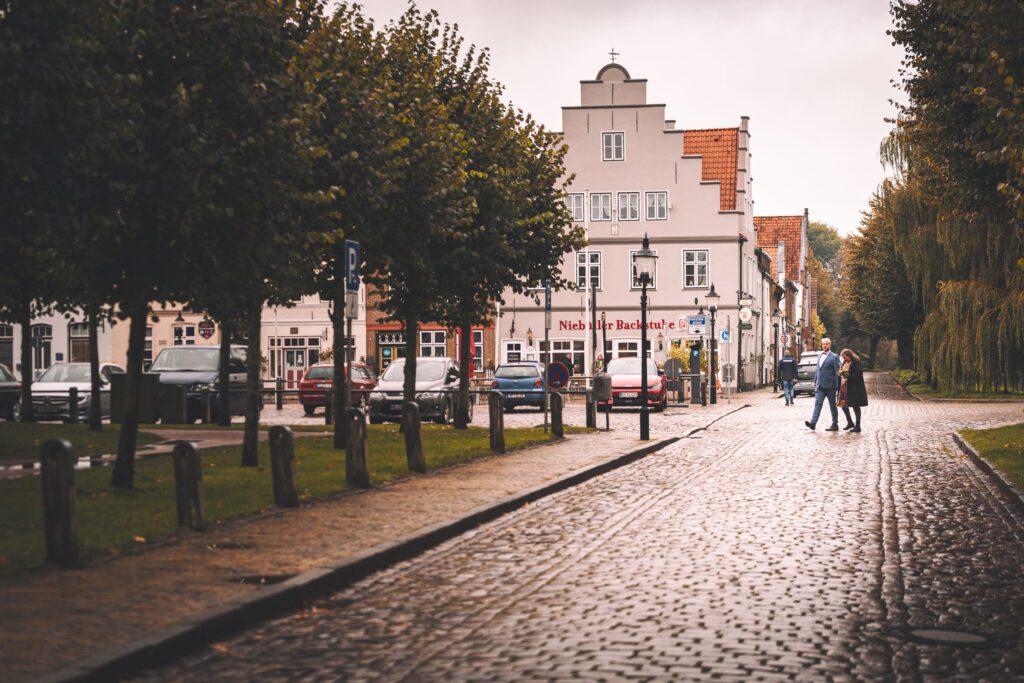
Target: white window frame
581, 282
575, 349
634, 281
434, 340
613, 146
695, 262
187, 336
574, 202
660, 213
600, 211
632, 212
478, 349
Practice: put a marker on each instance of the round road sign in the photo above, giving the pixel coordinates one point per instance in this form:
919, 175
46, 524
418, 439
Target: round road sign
783, 338
558, 375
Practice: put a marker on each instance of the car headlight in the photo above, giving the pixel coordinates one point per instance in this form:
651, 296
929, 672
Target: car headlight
430, 396
202, 386
83, 398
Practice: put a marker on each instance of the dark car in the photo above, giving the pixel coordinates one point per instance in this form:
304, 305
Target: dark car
198, 368
627, 385
437, 384
319, 378
520, 384
10, 395
806, 373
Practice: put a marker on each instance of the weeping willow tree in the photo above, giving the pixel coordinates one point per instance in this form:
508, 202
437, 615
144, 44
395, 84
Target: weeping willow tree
957, 202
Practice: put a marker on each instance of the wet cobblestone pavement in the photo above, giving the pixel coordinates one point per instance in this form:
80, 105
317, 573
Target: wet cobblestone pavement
754, 550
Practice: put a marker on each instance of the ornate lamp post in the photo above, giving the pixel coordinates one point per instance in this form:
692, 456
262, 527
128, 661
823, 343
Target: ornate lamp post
711, 299
776, 319
645, 260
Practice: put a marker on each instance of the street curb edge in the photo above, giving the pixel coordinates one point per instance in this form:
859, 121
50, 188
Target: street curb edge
175, 641
1014, 494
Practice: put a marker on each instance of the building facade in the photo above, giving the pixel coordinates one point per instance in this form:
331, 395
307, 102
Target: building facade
785, 238
56, 338
690, 192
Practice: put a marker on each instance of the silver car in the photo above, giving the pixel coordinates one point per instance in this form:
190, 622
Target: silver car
437, 384
51, 392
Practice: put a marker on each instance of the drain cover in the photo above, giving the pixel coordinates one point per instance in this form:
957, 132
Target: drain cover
940, 636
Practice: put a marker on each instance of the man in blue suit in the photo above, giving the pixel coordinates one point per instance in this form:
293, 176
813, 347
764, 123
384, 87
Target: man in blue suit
826, 382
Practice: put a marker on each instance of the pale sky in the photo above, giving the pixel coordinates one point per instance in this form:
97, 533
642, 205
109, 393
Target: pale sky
812, 75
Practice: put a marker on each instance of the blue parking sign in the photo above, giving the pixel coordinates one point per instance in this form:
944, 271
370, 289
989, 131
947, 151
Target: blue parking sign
352, 259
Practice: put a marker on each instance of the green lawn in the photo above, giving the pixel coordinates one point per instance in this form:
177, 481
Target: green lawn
1003, 447
22, 440
111, 520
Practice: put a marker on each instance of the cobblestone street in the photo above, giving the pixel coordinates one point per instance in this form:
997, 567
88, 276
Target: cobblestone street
756, 549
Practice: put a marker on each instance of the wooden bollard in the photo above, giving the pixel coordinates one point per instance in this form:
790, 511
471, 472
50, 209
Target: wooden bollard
188, 483
328, 406
280, 393
357, 473
556, 415
206, 407
497, 421
591, 410
73, 405
282, 466
413, 443
60, 521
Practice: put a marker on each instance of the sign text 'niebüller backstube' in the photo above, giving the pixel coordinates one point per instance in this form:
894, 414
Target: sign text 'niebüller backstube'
612, 325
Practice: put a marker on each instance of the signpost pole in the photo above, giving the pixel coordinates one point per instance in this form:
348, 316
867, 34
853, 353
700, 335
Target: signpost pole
547, 346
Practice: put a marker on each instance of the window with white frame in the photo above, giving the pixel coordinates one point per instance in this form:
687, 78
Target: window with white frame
635, 279
613, 146
575, 204
432, 343
629, 206
78, 342
7, 346
478, 349
601, 206
657, 206
588, 261
147, 349
695, 268
567, 351
184, 335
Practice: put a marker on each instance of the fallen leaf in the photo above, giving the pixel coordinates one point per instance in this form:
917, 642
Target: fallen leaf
139, 539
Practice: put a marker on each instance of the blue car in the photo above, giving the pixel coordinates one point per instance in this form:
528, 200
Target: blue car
520, 384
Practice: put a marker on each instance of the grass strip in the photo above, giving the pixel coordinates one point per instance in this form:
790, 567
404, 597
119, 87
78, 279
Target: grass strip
1003, 448
22, 440
112, 520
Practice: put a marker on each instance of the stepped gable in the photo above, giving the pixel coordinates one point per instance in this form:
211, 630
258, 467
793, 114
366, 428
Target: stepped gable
788, 229
720, 149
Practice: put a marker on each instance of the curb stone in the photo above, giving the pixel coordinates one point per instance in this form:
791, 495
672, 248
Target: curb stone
1015, 495
272, 601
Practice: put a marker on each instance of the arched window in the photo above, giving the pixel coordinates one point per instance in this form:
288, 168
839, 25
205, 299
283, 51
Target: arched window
42, 341
78, 342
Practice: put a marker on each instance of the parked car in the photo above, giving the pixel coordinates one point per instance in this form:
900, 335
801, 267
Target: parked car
320, 377
806, 373
627, 386
50, 393
520, 384
437, 383
10, 395
198, 368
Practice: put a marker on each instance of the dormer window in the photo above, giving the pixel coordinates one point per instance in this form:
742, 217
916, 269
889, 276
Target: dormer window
613, 146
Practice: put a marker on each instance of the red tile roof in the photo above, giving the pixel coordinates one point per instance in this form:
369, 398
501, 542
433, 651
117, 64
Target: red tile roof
774, 229
720, 149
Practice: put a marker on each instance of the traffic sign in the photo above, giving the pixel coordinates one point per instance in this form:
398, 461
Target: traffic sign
725, 336
746, 326
746, 301
783, 338
558, 375
746, 314
697, 325
352, 304
352, 259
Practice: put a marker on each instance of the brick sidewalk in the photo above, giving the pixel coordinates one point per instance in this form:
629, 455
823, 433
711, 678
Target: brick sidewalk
119, 601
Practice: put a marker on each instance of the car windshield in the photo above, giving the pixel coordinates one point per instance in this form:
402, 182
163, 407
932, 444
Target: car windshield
69, 372
426, 371
631, 366
182, 359
517, 371
321, 372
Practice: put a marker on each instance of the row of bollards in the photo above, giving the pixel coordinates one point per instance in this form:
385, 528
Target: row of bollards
57, 463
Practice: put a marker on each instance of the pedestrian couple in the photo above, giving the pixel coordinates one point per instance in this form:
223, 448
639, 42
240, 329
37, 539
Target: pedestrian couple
843, 374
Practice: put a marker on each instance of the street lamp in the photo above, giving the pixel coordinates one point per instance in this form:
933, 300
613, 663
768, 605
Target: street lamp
711, 299
645, 260
776, 319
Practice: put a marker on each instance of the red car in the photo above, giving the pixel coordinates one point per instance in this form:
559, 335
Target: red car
320, 377
627, 386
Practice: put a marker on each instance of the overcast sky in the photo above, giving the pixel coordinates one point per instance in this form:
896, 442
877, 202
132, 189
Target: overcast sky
814, 76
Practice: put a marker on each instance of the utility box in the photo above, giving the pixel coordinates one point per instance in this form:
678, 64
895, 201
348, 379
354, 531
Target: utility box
602, 387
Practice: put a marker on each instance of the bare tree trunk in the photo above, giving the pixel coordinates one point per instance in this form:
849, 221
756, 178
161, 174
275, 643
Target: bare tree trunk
224, 377
95, 412
25, 320
253, 397
905, 350
875, 338
465, 353
123, 474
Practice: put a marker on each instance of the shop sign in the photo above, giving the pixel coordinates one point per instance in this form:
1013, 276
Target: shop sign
206, 328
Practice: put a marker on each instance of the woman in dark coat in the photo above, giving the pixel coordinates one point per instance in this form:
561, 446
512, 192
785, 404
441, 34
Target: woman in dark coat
852, 392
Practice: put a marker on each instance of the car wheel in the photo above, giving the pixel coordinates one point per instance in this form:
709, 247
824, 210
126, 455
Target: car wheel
469, 415
442, 417
309, 410
16, 411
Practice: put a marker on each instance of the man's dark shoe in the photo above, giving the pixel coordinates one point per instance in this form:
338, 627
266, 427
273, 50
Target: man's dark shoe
849, 426
810, 425
833, 428
855, 430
